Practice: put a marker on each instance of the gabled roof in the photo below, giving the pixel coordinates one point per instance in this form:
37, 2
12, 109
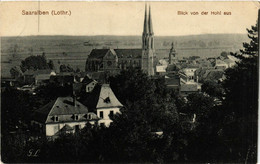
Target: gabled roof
107, 98
61, 106
65, 106
97, 53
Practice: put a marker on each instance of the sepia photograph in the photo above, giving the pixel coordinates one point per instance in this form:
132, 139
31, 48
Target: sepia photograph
129, 82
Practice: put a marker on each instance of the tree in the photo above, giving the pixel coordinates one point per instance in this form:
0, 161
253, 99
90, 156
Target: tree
34, 62
16, 72
51, 65
149, 108
212, 88
241, 102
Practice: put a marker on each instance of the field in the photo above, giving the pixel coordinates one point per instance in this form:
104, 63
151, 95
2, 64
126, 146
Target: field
74, 50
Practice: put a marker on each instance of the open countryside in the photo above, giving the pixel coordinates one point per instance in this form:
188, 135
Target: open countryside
74, 50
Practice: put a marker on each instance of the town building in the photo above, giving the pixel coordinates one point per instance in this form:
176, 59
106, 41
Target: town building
115, 60
173, 55
63, 115
103, 102
107, 105
89, 84
37, 77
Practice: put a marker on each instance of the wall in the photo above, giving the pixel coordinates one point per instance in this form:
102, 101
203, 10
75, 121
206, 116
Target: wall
106, 111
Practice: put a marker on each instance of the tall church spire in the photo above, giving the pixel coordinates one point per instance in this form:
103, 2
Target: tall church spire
145, 22
148, 44
150, 24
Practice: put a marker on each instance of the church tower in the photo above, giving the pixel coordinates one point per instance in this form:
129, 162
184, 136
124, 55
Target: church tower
148, 44
172, 54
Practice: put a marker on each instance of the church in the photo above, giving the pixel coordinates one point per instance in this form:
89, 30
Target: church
115, 60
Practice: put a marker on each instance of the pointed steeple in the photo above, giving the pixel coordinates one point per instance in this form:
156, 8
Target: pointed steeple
172, 46
150, 24
145, 22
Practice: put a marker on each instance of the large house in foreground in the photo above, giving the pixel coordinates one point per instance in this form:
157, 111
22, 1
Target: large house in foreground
114, 60
63, 115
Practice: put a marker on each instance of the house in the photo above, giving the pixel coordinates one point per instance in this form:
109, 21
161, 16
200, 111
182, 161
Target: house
107, 105
38, 77
63, 115
172, 81
219, 64
89, 84
161, 69
63, 79
189, 88
187, 75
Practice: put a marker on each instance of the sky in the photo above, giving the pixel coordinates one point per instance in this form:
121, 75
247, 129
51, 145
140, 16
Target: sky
126, 18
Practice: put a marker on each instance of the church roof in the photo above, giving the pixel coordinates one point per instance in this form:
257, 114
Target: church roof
131, 53
121, 53
97, 53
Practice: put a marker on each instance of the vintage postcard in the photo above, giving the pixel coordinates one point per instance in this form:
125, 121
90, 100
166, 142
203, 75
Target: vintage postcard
129, 82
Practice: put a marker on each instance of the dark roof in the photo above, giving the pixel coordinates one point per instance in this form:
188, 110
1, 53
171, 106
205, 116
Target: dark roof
92, 99
126, 53
131, 53
172, 81
41, 114
87, 80
97, 53
61, 106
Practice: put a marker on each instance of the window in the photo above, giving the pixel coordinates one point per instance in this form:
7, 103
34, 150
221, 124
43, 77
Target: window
76, 117
101, 114
111, 114
89, 116
56, 118
107, 100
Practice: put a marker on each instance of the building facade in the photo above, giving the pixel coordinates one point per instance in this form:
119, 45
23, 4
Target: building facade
63, 115
115, 60
107, 105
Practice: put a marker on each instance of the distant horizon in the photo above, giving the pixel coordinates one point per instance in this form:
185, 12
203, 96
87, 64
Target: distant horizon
129, 35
